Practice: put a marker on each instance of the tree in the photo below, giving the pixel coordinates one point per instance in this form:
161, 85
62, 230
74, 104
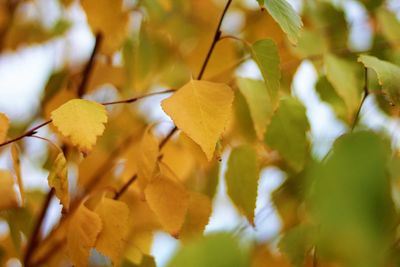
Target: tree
120, 177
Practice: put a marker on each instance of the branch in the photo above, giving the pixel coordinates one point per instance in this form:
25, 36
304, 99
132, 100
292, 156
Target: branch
217, 36
36, 231
28, 133
131, 100
366, 93
125, 187
89, 66
126, 101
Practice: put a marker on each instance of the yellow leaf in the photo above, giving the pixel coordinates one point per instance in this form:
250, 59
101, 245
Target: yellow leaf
197, 216
17, 169
148, 158
4, 125
112, 238
83, 229
81, 121
109, 18
169, 200
58, 179
61, 97
201, 109
8, 195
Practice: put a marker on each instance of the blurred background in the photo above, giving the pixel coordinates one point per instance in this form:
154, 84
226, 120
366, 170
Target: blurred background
25, 69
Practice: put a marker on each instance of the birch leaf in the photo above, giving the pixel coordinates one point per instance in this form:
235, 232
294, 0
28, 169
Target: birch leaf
58, 179
81, 121
201, 109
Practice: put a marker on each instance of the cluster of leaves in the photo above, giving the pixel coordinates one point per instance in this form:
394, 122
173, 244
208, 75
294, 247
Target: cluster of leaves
129, 181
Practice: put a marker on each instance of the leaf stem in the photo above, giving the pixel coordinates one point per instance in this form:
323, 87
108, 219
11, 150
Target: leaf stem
216, 38
366, 93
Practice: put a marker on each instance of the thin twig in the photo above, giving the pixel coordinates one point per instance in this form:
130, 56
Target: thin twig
365, 94
216, 38
89, 66
32, 131
125, 187
28, 133
131, 100
167, 138
36, 231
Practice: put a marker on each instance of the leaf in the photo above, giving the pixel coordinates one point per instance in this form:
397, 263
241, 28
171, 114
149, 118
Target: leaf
287, 18
83, 229
147, 261
296, 243
201, 109
108, 18
265, 54
342, 74
287, 133
148, 158
220, 250
328, 94
242, 179
352, 201
197, 216
112, 238
169, 200
17, 168
9, 198
58, 179
389, 25
81, 121
259, 103
388, 76
4, 125
311, 44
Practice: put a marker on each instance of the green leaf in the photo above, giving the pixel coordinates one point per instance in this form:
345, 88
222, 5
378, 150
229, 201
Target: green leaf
259, 103
388, 76
147, 261
311, 43
287, 18
328, 94
265, 53
287, 133
344, 76
242, 179
389, 24
217, 250
351, 201
296, 243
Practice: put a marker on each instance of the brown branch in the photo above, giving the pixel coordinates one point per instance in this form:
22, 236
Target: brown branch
125, 187
28, 133
215, 40
125, 101
131, 100
36, 231
89, 66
